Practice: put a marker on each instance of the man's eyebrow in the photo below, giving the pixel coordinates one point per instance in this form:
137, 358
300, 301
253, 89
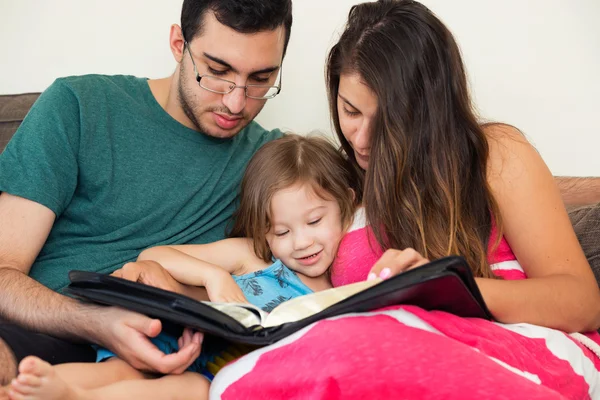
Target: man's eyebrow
234, 70
346, 101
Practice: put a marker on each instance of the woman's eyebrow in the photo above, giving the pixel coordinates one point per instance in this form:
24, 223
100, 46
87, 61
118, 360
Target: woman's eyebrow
346, 101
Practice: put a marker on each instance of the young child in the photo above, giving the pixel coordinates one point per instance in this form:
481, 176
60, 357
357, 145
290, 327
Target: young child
296, 202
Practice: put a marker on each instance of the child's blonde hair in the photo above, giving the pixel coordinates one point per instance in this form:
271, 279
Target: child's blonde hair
284, 162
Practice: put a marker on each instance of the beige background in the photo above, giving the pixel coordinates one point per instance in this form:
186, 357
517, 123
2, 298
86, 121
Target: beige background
532, 63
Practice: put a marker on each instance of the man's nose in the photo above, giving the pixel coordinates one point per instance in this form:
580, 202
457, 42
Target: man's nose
236, 100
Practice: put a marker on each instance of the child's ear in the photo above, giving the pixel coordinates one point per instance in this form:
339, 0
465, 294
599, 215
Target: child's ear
348, 223
352, 194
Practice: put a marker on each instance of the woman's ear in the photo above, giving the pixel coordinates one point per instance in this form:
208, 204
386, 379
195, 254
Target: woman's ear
352, 195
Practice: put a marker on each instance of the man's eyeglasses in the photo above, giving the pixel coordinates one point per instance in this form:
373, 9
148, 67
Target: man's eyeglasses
223, 86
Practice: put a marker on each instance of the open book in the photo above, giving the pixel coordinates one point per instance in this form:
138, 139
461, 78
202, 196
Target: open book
292, 310
446, 284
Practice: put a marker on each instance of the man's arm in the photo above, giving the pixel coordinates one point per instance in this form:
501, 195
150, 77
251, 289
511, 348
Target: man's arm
577, 191
25, 228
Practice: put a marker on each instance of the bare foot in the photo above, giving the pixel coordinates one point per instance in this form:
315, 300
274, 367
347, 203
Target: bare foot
37, 380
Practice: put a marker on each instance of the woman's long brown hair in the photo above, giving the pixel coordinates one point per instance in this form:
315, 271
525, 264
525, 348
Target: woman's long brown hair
426, 185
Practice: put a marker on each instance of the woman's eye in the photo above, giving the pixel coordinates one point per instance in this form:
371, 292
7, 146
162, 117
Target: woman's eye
351, 113
316, 221
216, 71
280, 234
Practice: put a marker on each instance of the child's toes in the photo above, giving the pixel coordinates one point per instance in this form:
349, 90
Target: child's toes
30, 380
13, 395
21, 388
34, 366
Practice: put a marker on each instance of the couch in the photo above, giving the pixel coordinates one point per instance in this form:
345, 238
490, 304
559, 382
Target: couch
585, 219
13, 109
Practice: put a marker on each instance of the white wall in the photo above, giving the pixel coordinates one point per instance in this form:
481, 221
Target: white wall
532, 63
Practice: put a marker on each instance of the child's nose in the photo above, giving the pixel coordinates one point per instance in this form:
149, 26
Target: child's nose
302, 242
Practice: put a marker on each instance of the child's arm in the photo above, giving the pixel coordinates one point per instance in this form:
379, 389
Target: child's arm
194, 272
196, 265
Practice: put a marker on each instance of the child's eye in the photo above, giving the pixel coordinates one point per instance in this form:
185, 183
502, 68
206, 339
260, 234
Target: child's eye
280, 234
316, 221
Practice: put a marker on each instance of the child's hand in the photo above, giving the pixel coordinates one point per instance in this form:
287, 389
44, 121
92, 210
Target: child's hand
187, 337
222, 288
393, 262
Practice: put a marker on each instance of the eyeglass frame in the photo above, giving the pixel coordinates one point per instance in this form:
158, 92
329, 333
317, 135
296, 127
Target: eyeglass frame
232, 85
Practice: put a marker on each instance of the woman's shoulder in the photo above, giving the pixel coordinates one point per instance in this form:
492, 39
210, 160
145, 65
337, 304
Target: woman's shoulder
504, 140
511, 156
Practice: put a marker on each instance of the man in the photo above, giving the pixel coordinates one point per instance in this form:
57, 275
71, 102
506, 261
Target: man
105, 166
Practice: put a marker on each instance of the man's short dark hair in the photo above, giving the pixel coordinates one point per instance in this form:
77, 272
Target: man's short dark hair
244, 16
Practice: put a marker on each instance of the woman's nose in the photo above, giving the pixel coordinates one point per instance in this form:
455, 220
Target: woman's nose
362, 138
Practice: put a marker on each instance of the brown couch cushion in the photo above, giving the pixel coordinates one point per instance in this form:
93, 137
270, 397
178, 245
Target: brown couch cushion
13, 108
586, 222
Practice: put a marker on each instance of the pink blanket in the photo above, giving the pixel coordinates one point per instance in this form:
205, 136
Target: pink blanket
406, 352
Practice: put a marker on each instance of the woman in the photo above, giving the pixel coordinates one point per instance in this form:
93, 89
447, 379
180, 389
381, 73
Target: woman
437, 182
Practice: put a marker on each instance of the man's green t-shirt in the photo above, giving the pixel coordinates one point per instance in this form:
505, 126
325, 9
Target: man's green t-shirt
120, 174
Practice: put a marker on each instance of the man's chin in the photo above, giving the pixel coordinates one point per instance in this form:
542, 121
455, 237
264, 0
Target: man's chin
222, 134
213, 130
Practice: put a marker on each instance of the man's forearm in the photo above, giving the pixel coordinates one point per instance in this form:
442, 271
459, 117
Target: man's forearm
195, 292
34, 306
579, 190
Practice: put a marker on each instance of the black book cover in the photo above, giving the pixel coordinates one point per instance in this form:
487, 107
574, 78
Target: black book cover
446, 284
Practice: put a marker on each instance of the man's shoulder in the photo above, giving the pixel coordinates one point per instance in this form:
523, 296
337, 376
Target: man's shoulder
257, 135
91, 84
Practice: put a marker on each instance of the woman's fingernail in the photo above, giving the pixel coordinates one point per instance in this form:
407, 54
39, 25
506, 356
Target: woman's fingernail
371, 276
385, 273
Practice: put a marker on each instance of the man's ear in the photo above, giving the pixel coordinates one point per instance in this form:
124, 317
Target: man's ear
176, 42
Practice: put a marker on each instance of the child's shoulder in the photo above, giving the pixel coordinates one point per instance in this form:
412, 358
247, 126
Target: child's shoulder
244, 250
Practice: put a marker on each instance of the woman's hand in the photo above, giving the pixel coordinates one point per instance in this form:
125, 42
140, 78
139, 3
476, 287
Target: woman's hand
222, 288
393, 262
149, 273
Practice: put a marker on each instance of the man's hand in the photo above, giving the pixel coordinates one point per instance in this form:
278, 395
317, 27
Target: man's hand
127, 335
222, 288
149, 273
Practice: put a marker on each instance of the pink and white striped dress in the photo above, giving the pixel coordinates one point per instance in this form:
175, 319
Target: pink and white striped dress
405, 352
